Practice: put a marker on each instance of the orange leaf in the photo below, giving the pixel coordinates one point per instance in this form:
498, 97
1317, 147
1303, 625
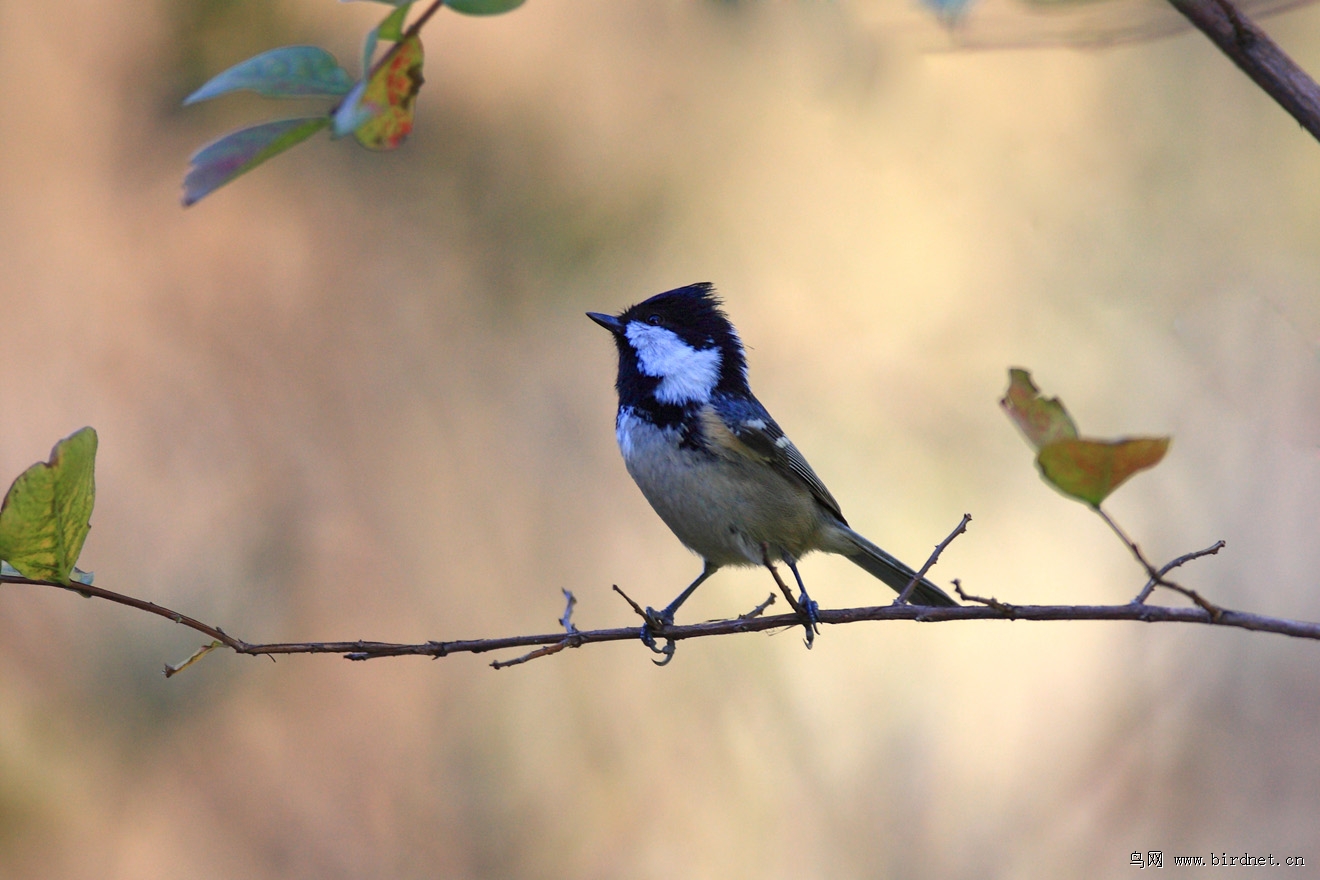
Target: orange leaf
1091, 469
1044, 421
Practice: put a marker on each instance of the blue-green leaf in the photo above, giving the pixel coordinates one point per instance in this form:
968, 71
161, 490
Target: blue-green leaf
288, 72
239, 152
483, 7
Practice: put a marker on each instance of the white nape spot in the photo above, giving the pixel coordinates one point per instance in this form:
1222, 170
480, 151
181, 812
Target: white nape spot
686, 374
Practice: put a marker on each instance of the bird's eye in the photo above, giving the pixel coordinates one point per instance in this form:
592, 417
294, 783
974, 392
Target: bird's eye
653, 320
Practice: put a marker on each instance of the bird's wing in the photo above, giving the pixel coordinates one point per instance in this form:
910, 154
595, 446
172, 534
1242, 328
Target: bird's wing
747, 422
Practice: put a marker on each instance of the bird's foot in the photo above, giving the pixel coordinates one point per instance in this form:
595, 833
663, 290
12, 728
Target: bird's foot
809, 610
653, 623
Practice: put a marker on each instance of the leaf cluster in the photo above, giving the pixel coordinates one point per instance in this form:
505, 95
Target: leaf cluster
377, 110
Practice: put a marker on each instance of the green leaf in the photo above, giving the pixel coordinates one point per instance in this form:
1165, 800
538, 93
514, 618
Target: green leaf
483, 7
390, 28
288, 72
46, 513
239, 152
1089, 470
1044, 421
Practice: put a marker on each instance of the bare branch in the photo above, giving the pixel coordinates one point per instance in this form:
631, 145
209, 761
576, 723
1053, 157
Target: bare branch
1259, 57
922, 614
544, 645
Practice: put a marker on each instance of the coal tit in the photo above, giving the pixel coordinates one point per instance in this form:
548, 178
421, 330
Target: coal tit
710, 459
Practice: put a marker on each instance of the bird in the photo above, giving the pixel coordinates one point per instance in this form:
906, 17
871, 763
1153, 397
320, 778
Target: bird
712, 461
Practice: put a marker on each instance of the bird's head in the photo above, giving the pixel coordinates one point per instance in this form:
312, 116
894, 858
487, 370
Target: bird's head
677, 348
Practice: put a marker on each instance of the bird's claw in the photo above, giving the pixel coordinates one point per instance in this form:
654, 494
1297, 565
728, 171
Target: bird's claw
809, 610
655, 621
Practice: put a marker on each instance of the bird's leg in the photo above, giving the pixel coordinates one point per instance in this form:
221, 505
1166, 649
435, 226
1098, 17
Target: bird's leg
803, 605
807, 606
657, 620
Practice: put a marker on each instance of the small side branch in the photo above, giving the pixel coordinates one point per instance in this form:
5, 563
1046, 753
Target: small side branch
1157, 577
1181, 560
930, 562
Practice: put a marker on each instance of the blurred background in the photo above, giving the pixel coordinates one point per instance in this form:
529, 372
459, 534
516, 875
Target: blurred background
355, 396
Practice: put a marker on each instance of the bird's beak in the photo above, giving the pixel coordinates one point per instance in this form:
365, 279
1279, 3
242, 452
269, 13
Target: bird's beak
609, 322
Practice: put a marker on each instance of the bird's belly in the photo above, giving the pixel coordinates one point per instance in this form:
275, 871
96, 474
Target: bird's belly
727, 510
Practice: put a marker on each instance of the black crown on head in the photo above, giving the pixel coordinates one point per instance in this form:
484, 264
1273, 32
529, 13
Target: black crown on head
695, 314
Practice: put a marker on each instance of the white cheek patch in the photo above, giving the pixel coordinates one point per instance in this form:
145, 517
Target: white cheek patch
686, 374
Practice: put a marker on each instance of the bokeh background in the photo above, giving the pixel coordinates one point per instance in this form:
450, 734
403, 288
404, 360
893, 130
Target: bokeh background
354, 395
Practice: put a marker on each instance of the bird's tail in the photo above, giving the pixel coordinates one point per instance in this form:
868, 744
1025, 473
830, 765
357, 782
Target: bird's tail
894, 573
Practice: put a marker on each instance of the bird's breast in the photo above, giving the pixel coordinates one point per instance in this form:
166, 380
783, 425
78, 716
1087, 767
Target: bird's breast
724, 507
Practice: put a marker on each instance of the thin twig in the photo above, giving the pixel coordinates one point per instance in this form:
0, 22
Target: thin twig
1259, 57
989, 602
569, 640
1181, 560
635, 607
759, 609
1157, 576
88, 591
567, 620
532, 655
931, 560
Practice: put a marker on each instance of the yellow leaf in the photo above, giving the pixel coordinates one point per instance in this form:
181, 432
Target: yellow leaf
47, 511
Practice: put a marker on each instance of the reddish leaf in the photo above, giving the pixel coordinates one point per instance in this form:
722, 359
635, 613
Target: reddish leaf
1044, 421
389, 97
1091, 469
